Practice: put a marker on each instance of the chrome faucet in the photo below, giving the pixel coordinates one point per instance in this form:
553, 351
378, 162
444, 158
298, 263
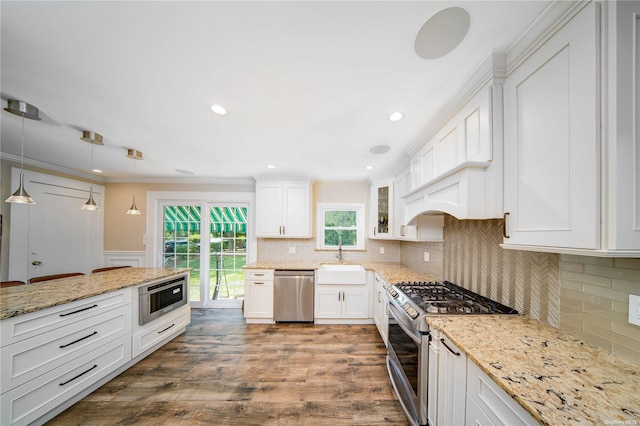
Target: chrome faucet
339, 256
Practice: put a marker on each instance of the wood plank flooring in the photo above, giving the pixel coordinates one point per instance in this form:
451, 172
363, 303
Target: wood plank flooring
222, 371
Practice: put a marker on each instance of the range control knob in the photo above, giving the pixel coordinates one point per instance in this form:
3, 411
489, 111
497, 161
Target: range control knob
410, 310
393, 292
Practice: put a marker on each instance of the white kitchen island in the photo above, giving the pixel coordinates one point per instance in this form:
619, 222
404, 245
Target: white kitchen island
64, 338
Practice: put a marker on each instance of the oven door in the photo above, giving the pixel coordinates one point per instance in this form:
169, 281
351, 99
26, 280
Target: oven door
407, 362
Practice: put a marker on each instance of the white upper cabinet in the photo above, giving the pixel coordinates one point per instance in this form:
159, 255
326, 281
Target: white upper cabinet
622, 131
571, 145
283, 209
459, 169
551, 141
381, 210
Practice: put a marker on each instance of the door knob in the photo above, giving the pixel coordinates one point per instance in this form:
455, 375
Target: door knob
36, 263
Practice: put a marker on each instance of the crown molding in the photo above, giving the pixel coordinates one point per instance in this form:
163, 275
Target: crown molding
40, 165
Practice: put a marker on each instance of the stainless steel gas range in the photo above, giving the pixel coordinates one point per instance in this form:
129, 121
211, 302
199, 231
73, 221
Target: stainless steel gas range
408, 347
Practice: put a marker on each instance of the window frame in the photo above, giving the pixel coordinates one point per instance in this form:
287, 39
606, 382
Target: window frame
360, 229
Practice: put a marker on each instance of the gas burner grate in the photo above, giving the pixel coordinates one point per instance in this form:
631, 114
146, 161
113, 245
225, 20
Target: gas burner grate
449, 298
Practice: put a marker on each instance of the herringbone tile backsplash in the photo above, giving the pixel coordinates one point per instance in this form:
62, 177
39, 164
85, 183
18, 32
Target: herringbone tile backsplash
526, 281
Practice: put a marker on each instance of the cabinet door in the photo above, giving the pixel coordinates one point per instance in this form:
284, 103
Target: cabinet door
432, 395
296, 210
328, 302
258, 299
452, 383
551, 141
475, 416
380, 315
269, 202
355, 302
381, 225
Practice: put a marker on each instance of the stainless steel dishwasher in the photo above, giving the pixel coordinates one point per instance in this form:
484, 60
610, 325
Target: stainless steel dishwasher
293, 296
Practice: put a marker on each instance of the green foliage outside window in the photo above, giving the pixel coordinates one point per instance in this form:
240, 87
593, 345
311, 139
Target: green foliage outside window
340, 223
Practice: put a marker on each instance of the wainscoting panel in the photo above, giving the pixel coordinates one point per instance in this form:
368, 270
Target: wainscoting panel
526, 281
125, 258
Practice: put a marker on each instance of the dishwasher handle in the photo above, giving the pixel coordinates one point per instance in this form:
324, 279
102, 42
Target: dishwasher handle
293, 273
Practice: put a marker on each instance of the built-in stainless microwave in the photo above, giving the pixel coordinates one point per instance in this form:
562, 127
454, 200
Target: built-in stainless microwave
160, 298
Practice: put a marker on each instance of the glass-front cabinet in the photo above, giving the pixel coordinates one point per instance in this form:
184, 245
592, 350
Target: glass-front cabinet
381, 208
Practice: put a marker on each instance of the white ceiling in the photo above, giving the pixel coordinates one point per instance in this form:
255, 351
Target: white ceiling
308, 85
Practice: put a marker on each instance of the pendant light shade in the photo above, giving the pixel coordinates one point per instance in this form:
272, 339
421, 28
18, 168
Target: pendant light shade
134, 209
21, 195
24, 110
134, 155
91, 204
93, 139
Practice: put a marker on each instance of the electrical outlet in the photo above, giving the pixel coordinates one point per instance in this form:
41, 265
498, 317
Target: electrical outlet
381, 250
292, 250
634, 309
427, 256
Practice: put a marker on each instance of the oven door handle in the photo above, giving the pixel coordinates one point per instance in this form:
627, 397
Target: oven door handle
394, 311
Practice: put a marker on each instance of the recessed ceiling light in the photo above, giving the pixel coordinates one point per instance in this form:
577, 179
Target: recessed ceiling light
369, 168
380, 149
218, 109
96, 171
395, 116
270, 166
184, 172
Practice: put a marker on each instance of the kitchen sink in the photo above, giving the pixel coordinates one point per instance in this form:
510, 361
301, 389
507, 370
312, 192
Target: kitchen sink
331, 273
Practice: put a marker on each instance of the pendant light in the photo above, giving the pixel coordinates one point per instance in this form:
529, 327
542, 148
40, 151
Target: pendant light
134, 155
24, 110
93, 139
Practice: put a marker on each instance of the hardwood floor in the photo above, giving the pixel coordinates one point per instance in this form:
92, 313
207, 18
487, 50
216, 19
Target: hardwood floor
222, 371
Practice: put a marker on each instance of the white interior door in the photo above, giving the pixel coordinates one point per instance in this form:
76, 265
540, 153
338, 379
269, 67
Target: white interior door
54, 235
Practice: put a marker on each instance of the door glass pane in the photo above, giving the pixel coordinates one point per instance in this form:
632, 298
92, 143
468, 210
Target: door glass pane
227, 252
383, 210
181, 242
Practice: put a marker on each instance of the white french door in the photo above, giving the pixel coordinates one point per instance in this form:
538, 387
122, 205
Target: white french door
213, 238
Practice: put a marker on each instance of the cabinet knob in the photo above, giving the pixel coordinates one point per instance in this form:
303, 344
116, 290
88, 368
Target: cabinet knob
36, 263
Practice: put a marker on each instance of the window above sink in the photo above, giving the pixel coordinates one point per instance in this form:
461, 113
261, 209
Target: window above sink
345, 220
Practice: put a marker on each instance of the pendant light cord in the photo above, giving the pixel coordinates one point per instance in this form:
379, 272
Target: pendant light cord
91, 171
22, 149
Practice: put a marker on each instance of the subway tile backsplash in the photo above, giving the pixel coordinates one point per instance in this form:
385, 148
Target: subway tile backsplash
273, 249
594, 302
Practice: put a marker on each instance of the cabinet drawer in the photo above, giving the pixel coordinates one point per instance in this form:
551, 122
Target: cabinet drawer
160, 330
493, 401
27, 403
30, 358
25, 326
259, 275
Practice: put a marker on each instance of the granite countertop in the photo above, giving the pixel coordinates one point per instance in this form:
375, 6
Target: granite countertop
391, 272
27, 298
559, 379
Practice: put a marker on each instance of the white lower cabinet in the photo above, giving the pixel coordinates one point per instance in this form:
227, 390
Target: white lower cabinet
258, 296
157, 331
50, 358
490, 405
342, 302
27, 403
381, 308
448, 379
460, 393
30, 358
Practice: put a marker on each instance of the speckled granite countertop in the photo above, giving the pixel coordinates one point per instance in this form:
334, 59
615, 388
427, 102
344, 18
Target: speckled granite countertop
559, 379
391, 272
27, 298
